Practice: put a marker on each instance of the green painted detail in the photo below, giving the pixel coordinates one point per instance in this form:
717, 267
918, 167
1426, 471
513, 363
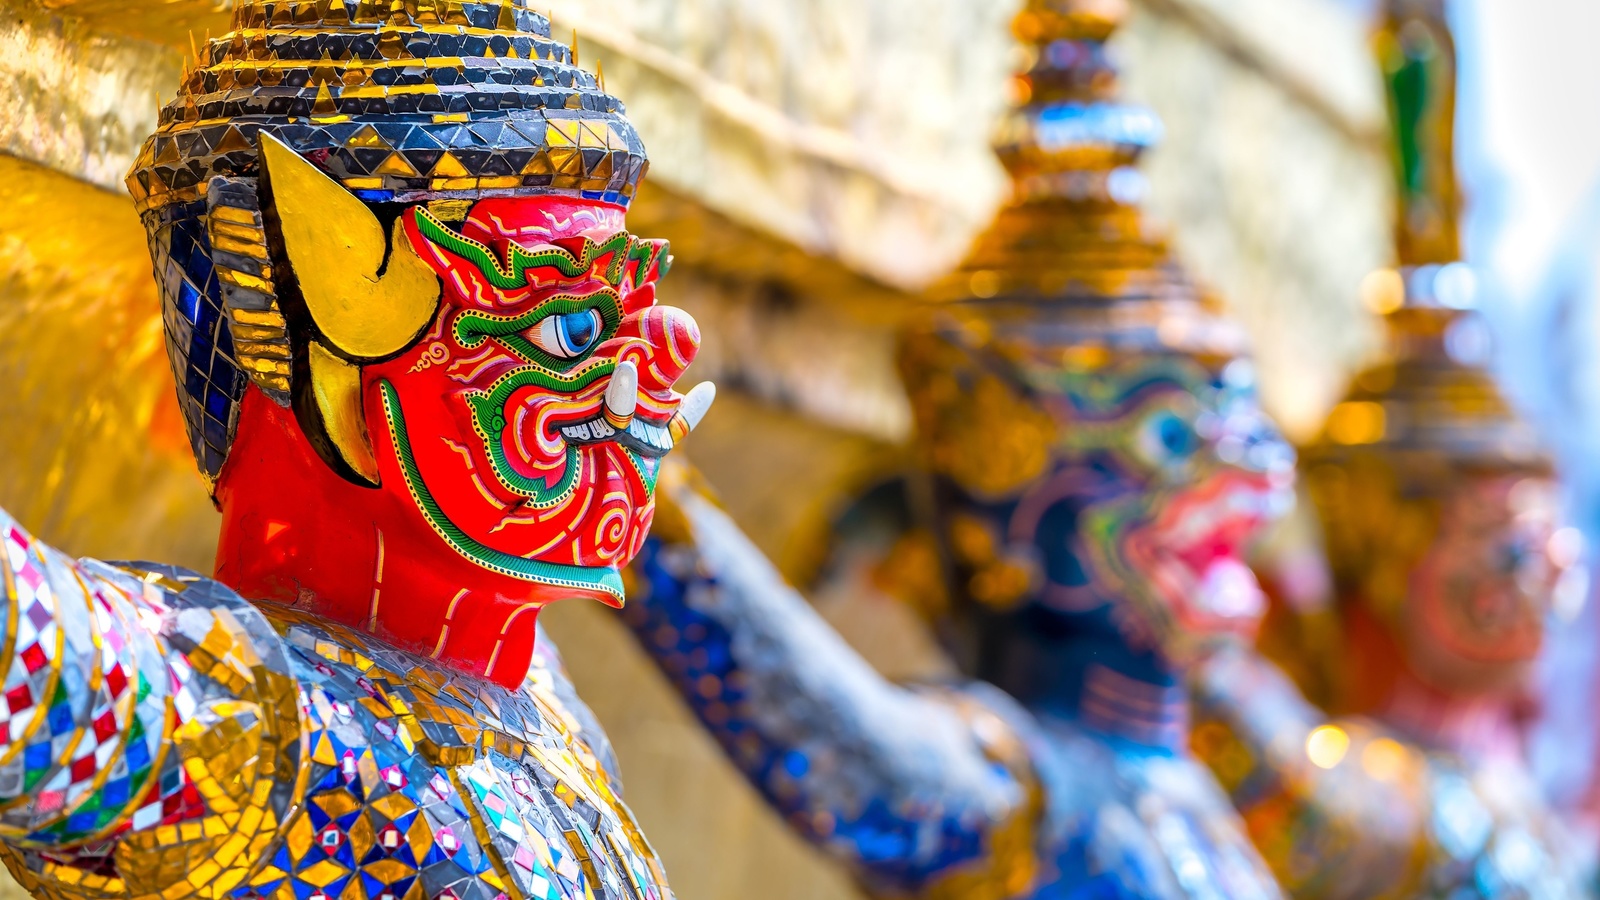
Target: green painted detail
1107, 528
648, 468
474, 326
1412, 91
602, 580
645, 254
513, 272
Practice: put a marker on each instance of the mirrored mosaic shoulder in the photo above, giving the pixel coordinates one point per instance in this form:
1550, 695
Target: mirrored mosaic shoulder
163, 737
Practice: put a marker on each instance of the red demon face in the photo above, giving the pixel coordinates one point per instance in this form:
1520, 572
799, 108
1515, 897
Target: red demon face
529, 421
514, 443
1481, 594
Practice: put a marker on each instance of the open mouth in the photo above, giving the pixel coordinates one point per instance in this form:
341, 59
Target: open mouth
600, 405
638, 435
1192, 552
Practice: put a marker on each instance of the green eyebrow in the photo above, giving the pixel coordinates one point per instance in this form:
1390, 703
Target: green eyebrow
474, 326
623, 248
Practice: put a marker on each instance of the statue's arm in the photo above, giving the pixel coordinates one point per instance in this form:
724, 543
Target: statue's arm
87, 696
1332, 804
908, 787
150, 731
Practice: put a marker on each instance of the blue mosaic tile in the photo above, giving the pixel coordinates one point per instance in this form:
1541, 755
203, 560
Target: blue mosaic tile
200, 342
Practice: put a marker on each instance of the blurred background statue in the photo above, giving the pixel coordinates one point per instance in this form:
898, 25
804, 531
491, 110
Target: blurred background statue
1442, 526
1096, 462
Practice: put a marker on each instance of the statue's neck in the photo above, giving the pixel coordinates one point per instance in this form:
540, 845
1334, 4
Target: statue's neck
1097, 680
1145, 710
295, 533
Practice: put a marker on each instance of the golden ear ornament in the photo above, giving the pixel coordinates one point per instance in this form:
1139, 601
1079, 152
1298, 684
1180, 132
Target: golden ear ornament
336, 390
365, 296
369, 295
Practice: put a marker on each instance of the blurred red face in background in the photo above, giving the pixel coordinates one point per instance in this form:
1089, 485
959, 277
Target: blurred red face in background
1481, 594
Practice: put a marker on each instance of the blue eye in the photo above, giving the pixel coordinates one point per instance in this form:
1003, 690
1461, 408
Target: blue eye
1177, 436
569, 334
578, 331
1164, 437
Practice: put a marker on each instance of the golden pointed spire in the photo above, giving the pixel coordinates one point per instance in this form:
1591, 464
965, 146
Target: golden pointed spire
1072, 244
1433, 397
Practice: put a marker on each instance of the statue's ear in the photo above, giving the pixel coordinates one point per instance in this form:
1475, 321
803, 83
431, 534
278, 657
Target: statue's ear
353, 295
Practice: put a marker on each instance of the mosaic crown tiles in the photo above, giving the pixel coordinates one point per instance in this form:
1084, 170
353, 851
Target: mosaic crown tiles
165, 738
400, 103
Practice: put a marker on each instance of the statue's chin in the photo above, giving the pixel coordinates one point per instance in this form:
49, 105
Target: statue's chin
1228, 592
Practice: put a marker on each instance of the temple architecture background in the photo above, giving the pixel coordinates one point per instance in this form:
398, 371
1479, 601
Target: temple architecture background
815, 163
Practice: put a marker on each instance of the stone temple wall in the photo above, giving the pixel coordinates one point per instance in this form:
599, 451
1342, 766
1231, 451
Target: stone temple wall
1273, 176
814, 162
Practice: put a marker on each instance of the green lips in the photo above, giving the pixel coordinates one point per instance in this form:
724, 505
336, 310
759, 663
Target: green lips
489, 421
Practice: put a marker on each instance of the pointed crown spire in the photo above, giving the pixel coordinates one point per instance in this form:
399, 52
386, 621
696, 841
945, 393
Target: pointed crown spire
1433, 396
469, 100
1072, 251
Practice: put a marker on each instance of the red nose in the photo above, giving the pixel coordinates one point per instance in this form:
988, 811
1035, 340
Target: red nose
674, 339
